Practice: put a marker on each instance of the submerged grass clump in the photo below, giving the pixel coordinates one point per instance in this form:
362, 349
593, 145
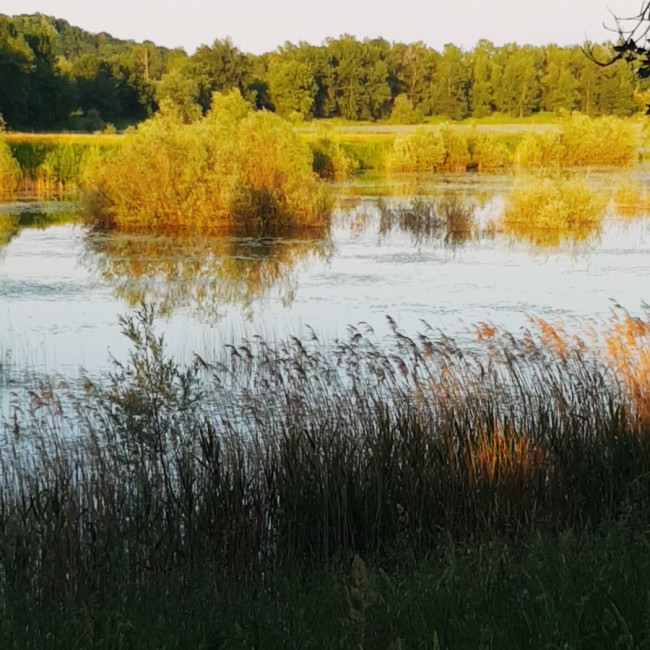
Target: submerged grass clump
450, 217
234, 170
547, 209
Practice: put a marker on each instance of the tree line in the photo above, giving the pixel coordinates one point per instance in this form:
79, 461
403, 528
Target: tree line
54, 75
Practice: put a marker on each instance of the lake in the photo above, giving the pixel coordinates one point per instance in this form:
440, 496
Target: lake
63, 288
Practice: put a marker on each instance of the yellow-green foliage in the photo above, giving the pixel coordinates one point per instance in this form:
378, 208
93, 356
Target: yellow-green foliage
331, 160
234, 169
9, 171
580, 140
429, 150
456, 150
488, 151
631, 198
546, 209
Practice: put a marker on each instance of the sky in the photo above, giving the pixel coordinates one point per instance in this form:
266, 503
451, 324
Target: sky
258, 26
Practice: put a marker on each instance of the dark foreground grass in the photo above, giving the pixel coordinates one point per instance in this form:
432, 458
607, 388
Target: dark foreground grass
585, 590
362, 494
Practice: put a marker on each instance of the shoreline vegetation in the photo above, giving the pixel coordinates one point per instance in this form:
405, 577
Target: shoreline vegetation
411, 493
213, 173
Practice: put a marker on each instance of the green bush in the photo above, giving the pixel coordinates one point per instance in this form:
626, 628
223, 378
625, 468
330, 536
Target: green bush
488, 152
232, 170
429, 150
580, 141
9, 171
331, 160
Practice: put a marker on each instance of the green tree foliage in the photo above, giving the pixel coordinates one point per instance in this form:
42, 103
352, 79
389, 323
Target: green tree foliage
360, 80
481, 89
518, 70
291, 86
49, 69
561, 81
449, 89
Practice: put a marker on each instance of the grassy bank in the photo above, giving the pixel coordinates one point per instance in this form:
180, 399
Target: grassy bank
246, 486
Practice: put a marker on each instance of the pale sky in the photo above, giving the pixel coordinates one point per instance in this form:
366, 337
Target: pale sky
258, 26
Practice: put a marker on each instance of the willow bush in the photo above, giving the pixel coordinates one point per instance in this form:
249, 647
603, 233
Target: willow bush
232, 170
488, 151
580, 141
548, 208
429, 150
9, 171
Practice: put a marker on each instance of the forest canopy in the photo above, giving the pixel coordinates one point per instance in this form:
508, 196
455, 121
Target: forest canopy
57, 76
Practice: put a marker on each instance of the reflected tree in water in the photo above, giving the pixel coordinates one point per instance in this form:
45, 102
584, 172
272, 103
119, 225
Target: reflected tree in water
201, 273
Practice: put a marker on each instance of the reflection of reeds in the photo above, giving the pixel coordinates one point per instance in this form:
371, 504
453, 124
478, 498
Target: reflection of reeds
426, 219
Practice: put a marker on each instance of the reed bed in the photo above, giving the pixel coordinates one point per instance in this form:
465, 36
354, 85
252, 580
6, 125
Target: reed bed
9, 171
298, 453
581, 141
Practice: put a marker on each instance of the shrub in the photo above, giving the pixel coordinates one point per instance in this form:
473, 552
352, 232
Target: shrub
63, 163
331, 160
420, 151
547, 209
580, 141
232, 170
488, 151
429, 150
9, 171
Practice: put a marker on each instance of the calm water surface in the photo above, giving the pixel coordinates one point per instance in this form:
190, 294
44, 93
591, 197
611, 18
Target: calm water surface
62, 288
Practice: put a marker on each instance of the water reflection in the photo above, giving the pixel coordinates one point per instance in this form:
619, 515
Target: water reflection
450, 219
14, 217
202, 273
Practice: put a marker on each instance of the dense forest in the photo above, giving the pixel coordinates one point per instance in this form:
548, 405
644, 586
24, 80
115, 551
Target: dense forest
57, 76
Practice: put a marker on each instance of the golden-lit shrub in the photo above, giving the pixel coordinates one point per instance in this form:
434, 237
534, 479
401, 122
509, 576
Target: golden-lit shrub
234, 169
331, 160
631, 198
456, 150
580, 141
547, 209
423, 150
488, 151
429, 150
9, 171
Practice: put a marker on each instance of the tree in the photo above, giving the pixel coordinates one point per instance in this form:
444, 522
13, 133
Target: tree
450, 84
481, 94
518, 68
291, 86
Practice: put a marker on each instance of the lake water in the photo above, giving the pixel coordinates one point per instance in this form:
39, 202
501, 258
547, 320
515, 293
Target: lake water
63, 288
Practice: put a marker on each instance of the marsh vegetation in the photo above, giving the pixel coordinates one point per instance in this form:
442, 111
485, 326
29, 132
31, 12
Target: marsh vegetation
266, 480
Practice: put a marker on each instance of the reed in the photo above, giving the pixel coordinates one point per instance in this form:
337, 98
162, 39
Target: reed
234, 471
